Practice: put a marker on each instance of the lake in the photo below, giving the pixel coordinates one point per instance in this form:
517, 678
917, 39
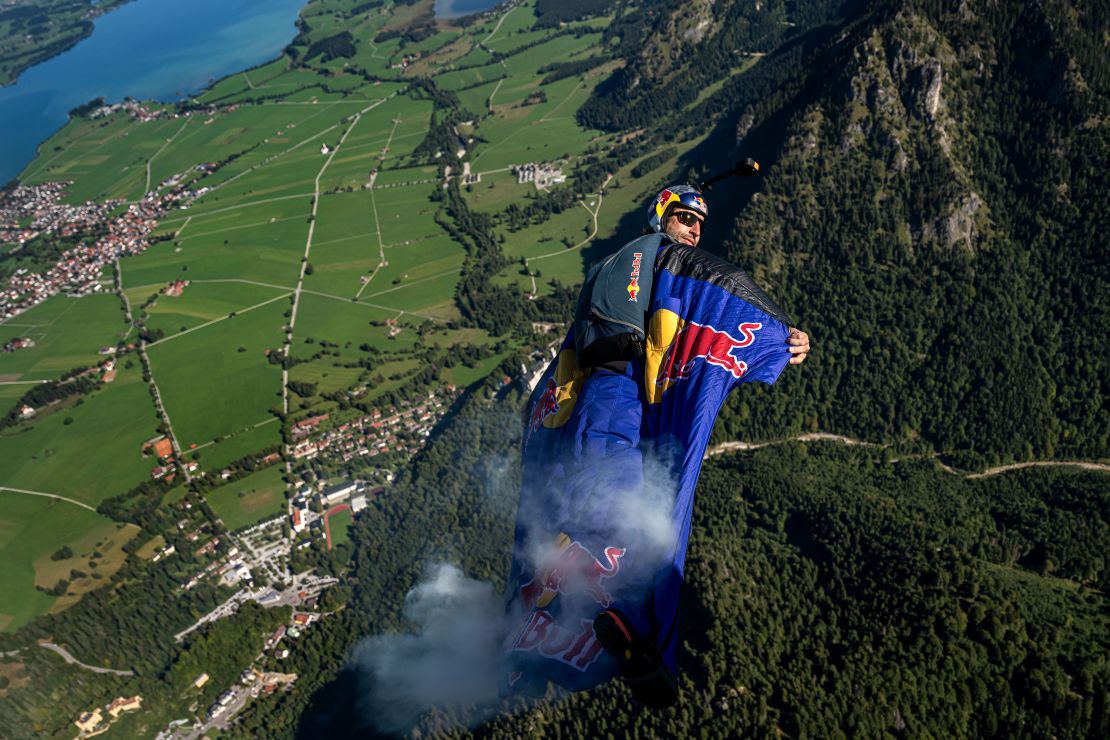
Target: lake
147, 49
151, 50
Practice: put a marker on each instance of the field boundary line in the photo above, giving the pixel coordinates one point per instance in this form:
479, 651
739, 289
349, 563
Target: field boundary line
216, 321
245, 226
243, 280
589, 238
308, 250
378, 306
414, 282
298, 145
48, 495
271, 420
233, 207
374, 208
168, 141
497, 27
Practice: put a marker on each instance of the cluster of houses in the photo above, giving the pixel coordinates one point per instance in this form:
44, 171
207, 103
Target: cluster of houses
77, 271
541, 175
137, 110
376, 433
40, 203
19, 343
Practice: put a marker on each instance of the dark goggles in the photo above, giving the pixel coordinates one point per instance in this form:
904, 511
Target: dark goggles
688, 218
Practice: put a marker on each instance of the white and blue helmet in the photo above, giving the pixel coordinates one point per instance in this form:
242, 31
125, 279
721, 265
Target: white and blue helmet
671, 196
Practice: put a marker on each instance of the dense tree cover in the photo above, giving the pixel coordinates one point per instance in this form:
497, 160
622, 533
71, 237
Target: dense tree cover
341, 44
832, 594
553, 13
947, 265
831, 589
222, 648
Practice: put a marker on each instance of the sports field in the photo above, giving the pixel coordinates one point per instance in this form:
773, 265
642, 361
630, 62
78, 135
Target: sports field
249, 500
338, 524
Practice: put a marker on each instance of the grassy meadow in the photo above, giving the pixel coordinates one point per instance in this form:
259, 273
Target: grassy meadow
249, 500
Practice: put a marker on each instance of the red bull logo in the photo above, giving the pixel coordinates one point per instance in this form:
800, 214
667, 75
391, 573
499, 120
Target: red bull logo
715, 346
546, 405
572, 570
634, 276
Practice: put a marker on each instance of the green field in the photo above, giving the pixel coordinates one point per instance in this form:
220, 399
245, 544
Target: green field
95, 455
216, 380
68, 333
203, 302
249, 500
33, 528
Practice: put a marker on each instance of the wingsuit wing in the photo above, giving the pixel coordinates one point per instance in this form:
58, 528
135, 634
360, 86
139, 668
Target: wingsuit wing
609, 466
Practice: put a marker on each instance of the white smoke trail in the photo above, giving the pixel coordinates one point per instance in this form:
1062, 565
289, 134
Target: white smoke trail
452, 660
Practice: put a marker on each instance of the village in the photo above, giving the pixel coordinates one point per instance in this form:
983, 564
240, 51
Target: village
377, 433
78, 270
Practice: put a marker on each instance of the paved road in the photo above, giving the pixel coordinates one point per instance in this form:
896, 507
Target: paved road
48, 495
70, 659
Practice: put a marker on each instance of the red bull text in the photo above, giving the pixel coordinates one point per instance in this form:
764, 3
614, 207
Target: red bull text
576, 648
634, 277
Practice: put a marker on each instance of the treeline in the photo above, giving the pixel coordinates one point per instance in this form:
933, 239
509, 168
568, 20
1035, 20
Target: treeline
49, 393
553, 13
333, 47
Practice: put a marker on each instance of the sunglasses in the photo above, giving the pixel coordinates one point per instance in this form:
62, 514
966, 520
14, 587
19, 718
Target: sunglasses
687, 218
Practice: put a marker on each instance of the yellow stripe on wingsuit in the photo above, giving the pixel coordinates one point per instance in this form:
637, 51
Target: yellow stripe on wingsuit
662, 329
568, 382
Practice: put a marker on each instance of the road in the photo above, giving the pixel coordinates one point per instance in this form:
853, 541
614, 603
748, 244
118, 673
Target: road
1097, 467
70, 659
48, 495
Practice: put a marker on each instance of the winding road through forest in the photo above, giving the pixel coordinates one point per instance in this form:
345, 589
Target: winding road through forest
824, 437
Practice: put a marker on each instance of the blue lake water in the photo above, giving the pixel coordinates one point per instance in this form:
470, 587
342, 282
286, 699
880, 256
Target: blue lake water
148, 49
456, 8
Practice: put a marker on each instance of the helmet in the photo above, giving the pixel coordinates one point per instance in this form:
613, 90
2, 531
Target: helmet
671, 196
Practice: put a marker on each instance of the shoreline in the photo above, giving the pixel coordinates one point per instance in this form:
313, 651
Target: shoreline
87, 26
16, 179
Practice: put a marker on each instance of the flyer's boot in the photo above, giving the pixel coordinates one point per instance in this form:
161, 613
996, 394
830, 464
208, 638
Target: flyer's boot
641, 665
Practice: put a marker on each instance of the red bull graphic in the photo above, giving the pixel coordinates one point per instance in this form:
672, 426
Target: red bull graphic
634, 277
573, 570
546, 405
715, 346
665, 198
